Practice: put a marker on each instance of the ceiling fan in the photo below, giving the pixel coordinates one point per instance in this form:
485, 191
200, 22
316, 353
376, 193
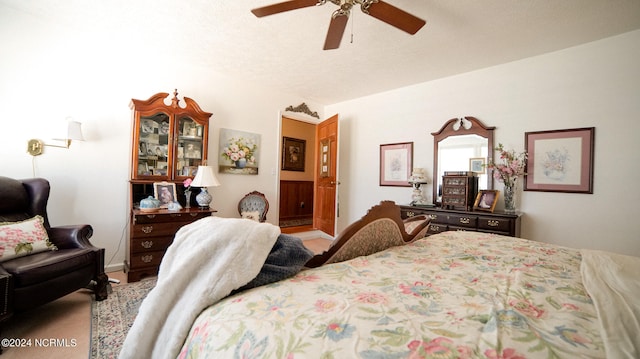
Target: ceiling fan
376, 8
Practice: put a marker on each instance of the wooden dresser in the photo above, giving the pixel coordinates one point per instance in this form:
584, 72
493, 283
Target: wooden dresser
450, 220
151, 233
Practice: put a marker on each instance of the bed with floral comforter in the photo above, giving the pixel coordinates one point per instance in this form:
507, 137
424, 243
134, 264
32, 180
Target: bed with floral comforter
451, 295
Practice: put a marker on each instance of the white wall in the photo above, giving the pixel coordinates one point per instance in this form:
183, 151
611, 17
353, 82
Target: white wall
53, 70
597, 84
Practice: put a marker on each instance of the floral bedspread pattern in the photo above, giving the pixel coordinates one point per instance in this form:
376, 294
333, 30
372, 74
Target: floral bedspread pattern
451, 295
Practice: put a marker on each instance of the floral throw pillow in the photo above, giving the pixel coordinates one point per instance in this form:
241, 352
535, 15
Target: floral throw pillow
23, 238
253, 215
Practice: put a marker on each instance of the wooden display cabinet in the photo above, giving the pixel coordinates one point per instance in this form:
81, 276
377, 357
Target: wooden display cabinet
169, 143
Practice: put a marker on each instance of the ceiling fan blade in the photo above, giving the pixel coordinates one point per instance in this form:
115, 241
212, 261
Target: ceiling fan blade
282, 7
396, 17
336, 30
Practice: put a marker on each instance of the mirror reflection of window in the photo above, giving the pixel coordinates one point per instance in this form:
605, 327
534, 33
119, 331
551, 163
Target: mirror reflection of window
454, 153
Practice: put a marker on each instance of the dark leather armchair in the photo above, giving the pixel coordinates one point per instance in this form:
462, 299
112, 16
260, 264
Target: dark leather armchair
38, 278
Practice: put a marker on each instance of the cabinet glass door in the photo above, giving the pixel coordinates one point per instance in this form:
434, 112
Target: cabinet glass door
153, 145
190, 147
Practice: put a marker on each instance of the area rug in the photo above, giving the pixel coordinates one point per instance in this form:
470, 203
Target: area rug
295, 222
112, 318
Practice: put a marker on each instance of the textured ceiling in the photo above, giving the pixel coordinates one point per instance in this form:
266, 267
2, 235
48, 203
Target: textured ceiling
284, 51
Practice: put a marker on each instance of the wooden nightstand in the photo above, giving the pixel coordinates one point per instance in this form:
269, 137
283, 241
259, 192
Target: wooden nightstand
151, 233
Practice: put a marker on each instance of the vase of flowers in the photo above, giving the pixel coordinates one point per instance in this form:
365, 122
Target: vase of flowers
240, 151
187, 192
510, 166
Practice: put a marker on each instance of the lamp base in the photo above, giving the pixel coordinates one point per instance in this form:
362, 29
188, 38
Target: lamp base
203, 198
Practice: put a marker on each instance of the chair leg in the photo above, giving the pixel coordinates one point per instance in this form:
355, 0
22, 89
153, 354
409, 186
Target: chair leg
101, 288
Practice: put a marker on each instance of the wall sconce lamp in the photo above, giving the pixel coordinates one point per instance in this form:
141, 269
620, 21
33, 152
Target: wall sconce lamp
74, 132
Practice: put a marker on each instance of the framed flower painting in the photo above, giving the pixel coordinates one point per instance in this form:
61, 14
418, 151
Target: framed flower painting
395, 164
560, 160
239, 152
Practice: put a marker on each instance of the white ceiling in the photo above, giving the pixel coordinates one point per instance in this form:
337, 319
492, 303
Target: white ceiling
284, 51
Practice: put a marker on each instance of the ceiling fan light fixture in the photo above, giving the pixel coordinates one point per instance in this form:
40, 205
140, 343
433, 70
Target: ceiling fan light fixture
378, 9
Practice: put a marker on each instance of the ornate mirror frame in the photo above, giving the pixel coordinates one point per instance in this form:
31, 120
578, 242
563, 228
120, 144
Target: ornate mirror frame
457, 127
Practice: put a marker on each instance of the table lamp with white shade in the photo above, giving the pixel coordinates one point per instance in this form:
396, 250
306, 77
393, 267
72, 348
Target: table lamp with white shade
205, 177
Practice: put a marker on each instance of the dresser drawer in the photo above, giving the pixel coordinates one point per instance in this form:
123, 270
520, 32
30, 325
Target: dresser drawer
494, 224
150, 244
443, 219
437, 228
146, 259
456, 201
169, 217
154, 229
462, 220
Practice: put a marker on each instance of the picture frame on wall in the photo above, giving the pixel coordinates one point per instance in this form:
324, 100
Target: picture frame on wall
293, 153
486, 200
239, 152
396, 163
560, 160
478, 165
325, 158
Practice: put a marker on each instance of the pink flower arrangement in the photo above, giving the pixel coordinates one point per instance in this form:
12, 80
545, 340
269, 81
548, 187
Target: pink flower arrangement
511, 166
187, 184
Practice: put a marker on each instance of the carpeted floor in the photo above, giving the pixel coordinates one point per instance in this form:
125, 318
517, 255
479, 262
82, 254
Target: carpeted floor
112, 318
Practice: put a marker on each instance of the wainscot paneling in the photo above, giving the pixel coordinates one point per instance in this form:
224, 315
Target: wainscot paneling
296, 200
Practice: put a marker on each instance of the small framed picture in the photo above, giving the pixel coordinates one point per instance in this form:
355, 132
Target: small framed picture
325, 164
486, 200
396, 161
293, 152
165, 192
477, 165
192, 150
189, 170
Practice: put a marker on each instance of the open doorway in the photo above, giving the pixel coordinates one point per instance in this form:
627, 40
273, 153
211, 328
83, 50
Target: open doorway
297, 175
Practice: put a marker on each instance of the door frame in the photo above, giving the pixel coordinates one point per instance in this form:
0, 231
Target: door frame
315, 122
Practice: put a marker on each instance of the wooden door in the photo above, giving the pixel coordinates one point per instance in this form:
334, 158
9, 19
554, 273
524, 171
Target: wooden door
326, 181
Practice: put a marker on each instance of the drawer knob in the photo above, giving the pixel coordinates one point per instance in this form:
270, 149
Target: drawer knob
493, 223
465, 220
147, 244
434, 227
410, 214
193, 214
175, 215
151, 216
147, 258
147, 229
433, 216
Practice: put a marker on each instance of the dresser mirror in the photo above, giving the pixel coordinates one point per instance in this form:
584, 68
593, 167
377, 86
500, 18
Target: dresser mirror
462, 144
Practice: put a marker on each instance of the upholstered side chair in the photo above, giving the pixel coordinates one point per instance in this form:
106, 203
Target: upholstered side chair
254, 206
34, 277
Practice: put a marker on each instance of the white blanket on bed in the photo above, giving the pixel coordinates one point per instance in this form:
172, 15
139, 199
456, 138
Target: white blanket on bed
206, 261
613, 283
